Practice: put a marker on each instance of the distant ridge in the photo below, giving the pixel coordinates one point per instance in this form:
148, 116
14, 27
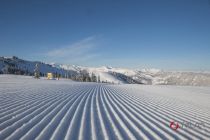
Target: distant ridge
15, 65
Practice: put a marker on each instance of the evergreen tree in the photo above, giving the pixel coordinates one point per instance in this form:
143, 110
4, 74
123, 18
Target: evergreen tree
99, 80
36, 71
93, 78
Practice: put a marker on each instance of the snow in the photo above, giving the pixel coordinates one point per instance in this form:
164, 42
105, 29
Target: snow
29, 66
62, 109
104, 73
152, 70
147, 76
110, 74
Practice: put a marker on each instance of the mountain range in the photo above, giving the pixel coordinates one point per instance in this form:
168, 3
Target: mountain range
15, 65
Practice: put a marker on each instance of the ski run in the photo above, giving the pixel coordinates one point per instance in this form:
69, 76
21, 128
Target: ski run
50, 109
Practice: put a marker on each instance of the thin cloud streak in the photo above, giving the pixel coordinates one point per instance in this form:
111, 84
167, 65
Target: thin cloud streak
79, 52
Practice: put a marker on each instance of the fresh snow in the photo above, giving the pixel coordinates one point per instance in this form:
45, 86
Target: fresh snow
147, 76
62, 109
111, 74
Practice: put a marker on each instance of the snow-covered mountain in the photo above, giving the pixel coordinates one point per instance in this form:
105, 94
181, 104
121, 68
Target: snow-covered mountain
145, 76
109, 74
16, 65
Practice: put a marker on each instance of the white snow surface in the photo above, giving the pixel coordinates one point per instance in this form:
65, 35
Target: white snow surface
147, 76
105, 73
62, 109
111, 74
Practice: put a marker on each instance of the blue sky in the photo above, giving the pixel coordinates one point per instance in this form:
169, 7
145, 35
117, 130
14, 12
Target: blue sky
164, 34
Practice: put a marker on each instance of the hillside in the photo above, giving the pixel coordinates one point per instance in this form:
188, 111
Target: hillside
146, 76
14, 65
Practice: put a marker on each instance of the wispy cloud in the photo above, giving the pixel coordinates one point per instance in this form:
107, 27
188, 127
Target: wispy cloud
78, 52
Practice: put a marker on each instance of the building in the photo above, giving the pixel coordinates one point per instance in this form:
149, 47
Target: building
50, 76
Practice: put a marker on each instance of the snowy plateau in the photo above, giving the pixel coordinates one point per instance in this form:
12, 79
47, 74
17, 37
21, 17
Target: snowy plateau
43, 109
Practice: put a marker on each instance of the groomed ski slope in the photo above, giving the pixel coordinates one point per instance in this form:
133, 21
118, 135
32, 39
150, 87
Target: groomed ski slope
49, 109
